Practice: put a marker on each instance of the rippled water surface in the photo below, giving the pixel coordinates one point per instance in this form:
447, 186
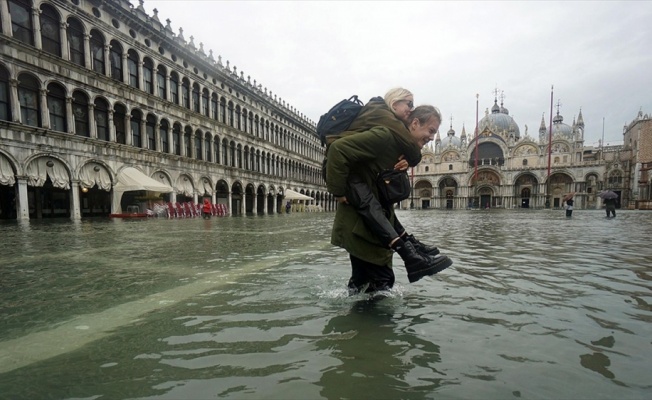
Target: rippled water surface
536, 306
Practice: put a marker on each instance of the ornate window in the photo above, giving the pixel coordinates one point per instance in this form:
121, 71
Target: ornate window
97, 51
150, 131
119, 116
174, 88
5, 109
50, 34
76, 41
80, 113
136, 118
148, 75
160, 82
28, 95
21, 20
132, 67
115, 58
57, 107
102, 119
163, 134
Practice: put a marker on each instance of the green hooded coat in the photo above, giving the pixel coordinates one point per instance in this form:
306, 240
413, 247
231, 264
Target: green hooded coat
365, 154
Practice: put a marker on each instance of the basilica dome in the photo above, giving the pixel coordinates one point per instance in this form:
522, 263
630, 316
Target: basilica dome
559, 128
500, 122
450, 139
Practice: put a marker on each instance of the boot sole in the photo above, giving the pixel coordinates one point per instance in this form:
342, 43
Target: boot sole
444, 263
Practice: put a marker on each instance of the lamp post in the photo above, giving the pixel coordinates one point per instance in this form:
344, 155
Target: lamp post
412, 188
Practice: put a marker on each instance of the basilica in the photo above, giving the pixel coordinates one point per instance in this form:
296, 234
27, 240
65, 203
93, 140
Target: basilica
503, 167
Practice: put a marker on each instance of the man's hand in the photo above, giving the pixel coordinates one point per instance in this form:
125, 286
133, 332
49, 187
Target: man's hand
402, 164
342, 200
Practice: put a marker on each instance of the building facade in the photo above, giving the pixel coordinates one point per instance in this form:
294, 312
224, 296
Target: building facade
502, 167
89, 88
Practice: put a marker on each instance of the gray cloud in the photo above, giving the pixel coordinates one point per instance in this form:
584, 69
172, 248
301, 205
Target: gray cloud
312, 54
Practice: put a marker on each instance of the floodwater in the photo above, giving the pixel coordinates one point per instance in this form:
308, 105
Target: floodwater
536, 306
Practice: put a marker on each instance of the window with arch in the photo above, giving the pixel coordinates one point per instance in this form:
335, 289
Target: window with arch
80, 113
75, 35
176, 139
216, 149
21, 20
57, 107
163, 130
225, 152
161, 73
214, 106
97, 51
525, 163
223, 110
150, 131
232, 154
174, 87
132, 68
205, 103
5, 106
187, 139
185, 93
238, 118
450, 167
50, 34
102, 119
148, 75
28, 96
134, 122
119, 116
195, 98
556, 161
615, 178
207, 146
231, 114
115, 58
199, 155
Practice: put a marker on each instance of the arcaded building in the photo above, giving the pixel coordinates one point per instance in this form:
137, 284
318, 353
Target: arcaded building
98, 98
515, 169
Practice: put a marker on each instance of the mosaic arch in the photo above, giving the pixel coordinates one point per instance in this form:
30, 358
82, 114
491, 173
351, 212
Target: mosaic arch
526, 187
559, 184
448, 191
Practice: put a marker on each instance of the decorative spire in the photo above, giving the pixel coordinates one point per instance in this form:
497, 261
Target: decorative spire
580, 120
542, 127
192, 43
168, 27
180, 36
155, 17
463, 135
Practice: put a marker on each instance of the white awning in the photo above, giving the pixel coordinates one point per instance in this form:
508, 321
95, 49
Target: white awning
132, 179
292, 195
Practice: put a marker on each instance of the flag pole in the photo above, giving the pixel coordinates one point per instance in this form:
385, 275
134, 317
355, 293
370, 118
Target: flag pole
550, 134
477, 139
602, 142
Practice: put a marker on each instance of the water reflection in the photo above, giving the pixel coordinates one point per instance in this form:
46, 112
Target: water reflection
535, 306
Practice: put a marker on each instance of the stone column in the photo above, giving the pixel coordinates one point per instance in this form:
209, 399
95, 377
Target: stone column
63, 33
125, 69
91, 121
157, 137
193, 149
254, 204
144, 141
22, 205
107, 60
15, 102
45, 113
75, 213
87, 50
6, 18
170, 144
167, 88
128, 134
141, 80
111, 127
69, 117
36, 30
173, 197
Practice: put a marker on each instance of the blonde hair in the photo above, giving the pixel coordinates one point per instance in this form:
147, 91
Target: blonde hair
424, 113
396, 94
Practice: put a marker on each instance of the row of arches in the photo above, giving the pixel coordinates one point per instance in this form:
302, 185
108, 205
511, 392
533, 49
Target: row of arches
47, 186
96, 117
491, 189
47, 28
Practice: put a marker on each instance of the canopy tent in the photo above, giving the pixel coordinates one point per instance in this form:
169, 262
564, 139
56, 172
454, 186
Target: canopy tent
292, 195
132, 179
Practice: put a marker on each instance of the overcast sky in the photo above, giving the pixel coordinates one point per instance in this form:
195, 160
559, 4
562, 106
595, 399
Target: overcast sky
598, 55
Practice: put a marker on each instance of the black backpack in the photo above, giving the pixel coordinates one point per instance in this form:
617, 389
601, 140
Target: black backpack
338, 118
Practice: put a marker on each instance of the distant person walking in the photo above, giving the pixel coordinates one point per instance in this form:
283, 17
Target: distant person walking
206, 209
610, 207
569, 207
